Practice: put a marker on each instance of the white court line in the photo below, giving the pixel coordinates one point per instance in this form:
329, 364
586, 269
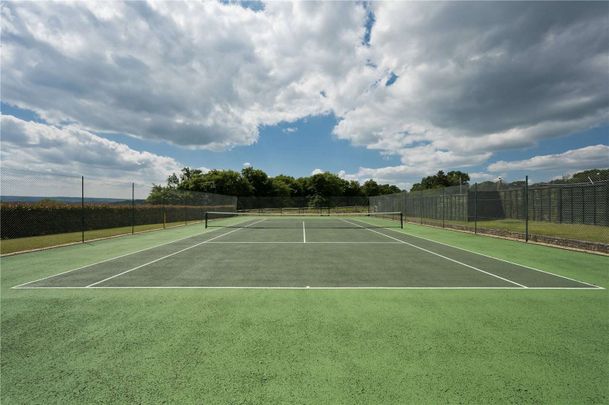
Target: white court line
497, 258
439, 255
304, 233
296, 288
294, 242
114, 258
172, 254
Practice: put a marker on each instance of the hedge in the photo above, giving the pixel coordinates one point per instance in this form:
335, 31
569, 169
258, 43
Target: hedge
20, 220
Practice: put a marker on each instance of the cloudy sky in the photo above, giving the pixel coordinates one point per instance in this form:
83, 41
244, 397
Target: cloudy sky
392, 91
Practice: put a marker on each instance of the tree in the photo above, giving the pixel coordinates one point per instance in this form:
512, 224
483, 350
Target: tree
164, 195
281, 181
281, 188
353, 189
388, 189
261, 183
371, 188
456, 178
318, 188
229, 182
440, 179
325, 184
585, 176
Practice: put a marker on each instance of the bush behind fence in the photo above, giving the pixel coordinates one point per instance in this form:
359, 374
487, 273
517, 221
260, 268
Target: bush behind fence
22, 219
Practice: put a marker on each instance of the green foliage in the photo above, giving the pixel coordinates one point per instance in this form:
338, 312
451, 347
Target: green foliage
325, 184
262, 185
256, 183
21, 220
585, 176
441, 179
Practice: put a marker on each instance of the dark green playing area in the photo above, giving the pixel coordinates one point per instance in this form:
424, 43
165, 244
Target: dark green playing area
306, 252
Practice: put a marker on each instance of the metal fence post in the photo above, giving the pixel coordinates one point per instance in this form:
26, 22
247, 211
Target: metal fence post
82, 208
572, 205
560, 204
443, 206
132, 208
593, 205
583, 205
550, 204
476, 208
526, 209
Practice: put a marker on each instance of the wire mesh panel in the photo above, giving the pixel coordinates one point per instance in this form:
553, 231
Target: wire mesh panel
108, 209
275, 204
387, 203
575, 215
38, 210
37, 207
570, 214
499, 209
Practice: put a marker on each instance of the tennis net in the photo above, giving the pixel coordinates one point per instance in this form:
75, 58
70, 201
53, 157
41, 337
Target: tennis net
295, 220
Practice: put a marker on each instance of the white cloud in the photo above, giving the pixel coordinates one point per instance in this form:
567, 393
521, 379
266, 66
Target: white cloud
317, 171
589, 157
199, 74
247, 164
470, 81
289, 130
478, 177
70, 151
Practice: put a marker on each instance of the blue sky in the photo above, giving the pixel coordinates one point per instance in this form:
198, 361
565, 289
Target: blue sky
295, 149
390, 91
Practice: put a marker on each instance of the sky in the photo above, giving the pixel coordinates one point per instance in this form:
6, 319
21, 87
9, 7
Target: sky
390, 91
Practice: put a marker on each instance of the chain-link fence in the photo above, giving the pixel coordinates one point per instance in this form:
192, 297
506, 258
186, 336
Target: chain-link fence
39, 210
303, 204
573, 215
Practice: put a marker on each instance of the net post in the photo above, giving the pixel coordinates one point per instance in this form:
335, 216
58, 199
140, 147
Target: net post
206, 218
401, 220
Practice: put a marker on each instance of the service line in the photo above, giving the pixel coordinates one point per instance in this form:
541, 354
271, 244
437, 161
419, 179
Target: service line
171, 254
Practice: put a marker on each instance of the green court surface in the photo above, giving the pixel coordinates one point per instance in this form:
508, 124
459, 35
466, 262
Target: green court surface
346, 309
305, 252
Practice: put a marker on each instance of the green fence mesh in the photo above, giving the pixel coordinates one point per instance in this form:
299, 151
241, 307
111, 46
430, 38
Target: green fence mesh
39, 210
574, 215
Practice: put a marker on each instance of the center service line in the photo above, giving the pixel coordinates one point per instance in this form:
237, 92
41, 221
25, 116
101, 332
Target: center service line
172, 254
304, 233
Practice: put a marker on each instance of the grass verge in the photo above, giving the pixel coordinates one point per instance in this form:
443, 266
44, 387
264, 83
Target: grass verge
44, 241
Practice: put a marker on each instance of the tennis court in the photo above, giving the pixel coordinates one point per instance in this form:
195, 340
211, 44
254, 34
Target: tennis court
304, 251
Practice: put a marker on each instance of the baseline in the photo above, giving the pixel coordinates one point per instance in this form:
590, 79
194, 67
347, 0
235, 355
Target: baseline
515, 288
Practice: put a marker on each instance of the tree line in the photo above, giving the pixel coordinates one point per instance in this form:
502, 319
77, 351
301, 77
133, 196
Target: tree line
252, 182
456, 178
